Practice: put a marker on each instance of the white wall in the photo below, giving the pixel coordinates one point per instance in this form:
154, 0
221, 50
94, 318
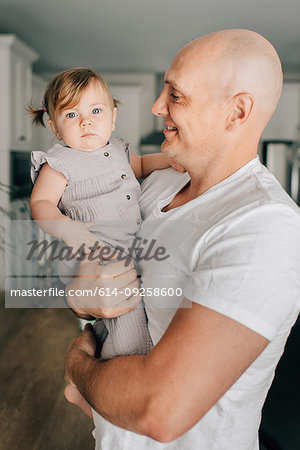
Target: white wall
283, 124
147, 82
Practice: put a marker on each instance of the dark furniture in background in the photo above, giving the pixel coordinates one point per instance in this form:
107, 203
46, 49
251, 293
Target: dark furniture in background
279, 428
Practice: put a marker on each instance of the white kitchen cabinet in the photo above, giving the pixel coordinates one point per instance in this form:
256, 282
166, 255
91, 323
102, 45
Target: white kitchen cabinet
16, 59
42, 138
20, 97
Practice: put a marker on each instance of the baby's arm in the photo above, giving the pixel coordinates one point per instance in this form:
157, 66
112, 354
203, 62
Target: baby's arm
44, 199
45, 196
143, 165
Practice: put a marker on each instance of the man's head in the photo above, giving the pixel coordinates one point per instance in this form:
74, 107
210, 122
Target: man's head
220, 92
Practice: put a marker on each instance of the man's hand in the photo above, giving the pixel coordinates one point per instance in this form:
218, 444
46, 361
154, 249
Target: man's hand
81, 346
84, 344
103, 291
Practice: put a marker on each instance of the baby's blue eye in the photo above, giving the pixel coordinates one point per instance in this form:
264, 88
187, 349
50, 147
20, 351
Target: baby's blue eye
71, 115
96, 111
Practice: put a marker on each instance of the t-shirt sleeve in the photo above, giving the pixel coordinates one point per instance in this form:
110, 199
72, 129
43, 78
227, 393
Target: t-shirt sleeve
38, 159
251, 273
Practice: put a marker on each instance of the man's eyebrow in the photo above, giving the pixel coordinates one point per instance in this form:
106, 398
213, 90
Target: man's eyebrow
173, 84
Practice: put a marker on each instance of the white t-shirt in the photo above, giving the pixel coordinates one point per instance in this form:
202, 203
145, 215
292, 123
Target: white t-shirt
234, 249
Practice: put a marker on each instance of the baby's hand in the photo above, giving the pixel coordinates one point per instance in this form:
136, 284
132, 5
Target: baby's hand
77, 236
176, 166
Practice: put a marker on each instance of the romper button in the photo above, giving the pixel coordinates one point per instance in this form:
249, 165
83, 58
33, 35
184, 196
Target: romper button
106, 154
138, 221
123, 176
128, 197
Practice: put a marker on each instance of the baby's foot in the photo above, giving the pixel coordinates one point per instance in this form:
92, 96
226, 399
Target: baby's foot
73, 396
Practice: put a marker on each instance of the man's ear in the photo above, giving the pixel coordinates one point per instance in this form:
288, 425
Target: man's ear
239, 109
53, 129
114, 117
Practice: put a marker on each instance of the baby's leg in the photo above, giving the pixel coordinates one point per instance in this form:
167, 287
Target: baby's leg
127, 335
73, 396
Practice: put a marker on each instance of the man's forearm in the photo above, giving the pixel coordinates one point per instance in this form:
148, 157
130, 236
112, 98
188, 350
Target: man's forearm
105, 386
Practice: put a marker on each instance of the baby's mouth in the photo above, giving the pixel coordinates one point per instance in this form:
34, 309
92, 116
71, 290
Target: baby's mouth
88, 134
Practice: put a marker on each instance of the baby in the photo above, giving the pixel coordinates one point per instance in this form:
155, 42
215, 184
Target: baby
86, 190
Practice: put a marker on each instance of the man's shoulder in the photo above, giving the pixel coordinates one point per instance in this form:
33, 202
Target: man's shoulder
267, 194
255, 201
252, 189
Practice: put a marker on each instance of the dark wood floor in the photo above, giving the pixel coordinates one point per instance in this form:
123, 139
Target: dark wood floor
34, 414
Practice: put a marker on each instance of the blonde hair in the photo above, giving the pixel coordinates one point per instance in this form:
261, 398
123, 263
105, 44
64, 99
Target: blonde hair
65, 89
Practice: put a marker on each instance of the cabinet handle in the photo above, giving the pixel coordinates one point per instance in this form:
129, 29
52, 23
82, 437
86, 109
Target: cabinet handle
22, 138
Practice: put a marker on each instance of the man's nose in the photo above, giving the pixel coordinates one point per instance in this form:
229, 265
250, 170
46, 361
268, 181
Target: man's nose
85, 121
160, 107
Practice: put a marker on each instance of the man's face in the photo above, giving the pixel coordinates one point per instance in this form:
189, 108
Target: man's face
191, 109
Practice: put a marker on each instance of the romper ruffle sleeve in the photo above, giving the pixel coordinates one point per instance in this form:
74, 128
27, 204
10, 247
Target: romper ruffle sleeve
52, 157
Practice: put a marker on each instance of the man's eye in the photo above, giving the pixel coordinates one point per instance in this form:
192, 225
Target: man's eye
175, 97
96, 111
71, 115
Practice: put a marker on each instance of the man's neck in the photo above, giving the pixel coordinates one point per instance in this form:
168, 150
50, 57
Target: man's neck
202, 181
206, 174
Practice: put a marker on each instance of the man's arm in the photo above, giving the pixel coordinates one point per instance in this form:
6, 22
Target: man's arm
164, 393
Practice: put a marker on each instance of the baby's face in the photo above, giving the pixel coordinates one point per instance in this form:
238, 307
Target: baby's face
88, 125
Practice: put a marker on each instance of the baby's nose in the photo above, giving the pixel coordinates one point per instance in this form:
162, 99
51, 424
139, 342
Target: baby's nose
85, 122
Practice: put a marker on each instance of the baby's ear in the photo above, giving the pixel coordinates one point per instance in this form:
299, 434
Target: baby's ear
53, 129
114, 117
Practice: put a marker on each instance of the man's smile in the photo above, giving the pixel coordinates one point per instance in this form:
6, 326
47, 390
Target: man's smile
169, 130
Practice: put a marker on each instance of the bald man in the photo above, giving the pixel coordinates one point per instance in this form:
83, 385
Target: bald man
232, 276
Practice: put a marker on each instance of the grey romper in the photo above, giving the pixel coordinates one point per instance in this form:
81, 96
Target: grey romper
101, 187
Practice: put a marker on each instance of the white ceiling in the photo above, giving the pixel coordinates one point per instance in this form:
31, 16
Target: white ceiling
141, 35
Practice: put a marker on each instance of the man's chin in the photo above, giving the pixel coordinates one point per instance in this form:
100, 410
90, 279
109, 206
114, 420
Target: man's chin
168, 149
165, 145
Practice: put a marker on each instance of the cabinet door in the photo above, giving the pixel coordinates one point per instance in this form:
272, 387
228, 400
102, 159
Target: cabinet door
20, 98
42, 138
